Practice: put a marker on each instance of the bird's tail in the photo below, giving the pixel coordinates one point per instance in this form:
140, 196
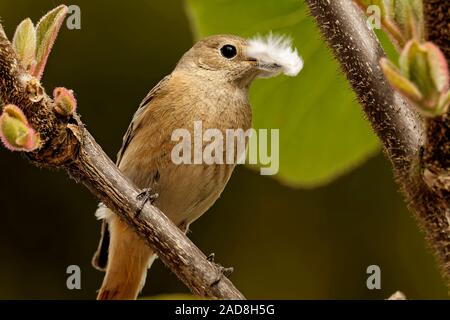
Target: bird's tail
128, 260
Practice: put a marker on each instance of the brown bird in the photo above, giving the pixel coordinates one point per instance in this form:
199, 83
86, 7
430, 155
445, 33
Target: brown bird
209, 84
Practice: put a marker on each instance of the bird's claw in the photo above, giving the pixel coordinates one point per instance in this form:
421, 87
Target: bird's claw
147, 195
227, 272
224, 272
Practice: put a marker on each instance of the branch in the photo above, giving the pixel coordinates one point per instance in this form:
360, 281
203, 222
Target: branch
68, 145
400, 130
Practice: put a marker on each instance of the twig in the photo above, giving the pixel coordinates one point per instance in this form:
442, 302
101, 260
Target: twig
68, 145
401, 130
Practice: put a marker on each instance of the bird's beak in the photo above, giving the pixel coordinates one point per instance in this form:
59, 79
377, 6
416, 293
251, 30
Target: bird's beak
273, 55
265, 68
269, 69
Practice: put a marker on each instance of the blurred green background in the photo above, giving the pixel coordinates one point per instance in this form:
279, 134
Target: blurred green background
284, 243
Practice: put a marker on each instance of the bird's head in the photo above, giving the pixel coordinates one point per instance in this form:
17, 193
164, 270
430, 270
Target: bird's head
237, 60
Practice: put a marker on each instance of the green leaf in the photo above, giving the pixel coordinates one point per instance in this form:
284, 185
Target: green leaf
24, 43
438, 66
65, 102
400, 82
414, 65
15, 131
408, 14
322, 131
47, 31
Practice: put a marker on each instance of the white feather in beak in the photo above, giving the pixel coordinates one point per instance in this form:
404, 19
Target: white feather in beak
274, 55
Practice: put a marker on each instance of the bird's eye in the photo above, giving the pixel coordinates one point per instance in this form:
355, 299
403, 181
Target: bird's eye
228, 51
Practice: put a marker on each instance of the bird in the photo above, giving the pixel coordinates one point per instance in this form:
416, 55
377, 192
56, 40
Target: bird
210, 83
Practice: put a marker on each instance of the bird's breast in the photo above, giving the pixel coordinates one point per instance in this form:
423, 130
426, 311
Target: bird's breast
184, 113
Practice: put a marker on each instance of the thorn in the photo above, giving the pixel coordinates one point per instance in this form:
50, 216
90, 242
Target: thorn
147, 195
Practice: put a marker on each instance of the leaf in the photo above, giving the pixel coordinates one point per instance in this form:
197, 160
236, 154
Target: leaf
15, 132
400, 82
47, 31
24, 43
322, 131
65, 102
438, 66
408, 14
414, 64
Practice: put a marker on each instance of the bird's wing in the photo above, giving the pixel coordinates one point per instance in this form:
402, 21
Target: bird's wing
101, 256
142, 107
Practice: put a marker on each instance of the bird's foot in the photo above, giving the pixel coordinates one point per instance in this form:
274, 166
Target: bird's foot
147, 195
224, 272
227, 272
